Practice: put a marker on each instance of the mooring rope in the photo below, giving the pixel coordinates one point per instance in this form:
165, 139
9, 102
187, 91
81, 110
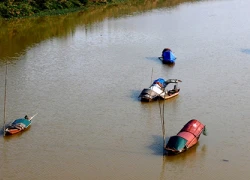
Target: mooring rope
5, 98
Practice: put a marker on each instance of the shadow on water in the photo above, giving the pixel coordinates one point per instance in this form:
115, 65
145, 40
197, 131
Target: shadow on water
246, 51
156, 59
2, 129
135, 95
157, 145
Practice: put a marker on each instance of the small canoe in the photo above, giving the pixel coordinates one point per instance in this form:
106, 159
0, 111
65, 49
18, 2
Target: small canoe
18, 125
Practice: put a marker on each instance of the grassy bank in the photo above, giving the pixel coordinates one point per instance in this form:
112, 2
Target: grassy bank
27, 8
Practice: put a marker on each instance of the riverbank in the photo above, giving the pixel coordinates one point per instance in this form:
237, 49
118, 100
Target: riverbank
18, 34
29, 8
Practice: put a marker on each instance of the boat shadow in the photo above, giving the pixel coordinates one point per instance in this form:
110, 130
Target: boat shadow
2, 129
157, 59
246, 51
135, 95
157, 145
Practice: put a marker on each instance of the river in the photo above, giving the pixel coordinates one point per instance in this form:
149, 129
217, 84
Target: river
82, 74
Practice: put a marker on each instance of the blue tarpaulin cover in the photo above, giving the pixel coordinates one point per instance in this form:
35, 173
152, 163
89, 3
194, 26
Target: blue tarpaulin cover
168, 56
23, 121
161, 81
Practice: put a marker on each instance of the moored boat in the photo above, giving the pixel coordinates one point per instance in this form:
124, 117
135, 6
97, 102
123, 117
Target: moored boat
19, 125
158, 90
167, 56
187, 137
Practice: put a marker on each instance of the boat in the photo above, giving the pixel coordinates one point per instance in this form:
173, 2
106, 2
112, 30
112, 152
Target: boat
168, 56
19, 125
158, 90
187, 137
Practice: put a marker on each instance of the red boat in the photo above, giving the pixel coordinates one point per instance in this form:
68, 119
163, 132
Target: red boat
186, 138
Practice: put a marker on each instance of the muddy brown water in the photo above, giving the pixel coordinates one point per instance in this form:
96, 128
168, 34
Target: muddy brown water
83, 76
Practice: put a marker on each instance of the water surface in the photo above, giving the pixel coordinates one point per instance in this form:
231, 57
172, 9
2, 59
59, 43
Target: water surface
84, 77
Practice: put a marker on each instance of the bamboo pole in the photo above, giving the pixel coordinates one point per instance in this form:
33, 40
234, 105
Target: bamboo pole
5, 99
162, 124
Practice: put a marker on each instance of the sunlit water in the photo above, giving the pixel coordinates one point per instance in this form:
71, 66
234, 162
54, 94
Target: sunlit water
84, 86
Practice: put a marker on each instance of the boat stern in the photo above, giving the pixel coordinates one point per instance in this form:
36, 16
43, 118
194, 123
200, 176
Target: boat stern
9, 131
148, 95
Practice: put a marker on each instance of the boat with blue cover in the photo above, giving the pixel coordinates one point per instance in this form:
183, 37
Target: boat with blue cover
168, 56
158, 89
19, 125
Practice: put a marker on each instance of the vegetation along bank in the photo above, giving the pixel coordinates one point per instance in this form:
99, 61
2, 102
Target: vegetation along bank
26, 8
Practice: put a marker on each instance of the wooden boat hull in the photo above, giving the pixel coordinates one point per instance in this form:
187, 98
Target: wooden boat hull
12, 131
187, 137
170, 96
